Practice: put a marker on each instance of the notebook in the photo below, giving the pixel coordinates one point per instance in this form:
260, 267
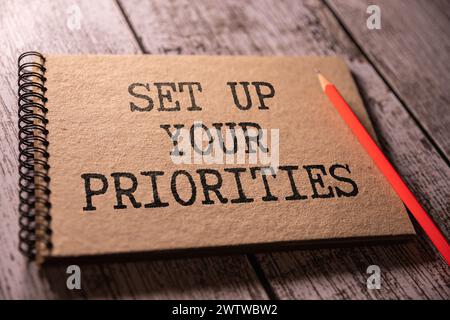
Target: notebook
129, 155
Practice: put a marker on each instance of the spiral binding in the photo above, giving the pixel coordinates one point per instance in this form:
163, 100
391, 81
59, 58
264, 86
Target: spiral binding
34, 207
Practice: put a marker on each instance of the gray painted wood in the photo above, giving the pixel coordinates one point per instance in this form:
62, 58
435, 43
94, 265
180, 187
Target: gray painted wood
412, 52
222, 27
308, 27
42, 25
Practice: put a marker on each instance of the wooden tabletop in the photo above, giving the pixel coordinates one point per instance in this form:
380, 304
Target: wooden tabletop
403, 73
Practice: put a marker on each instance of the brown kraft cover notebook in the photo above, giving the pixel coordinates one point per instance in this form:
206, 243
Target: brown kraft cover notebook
159, 154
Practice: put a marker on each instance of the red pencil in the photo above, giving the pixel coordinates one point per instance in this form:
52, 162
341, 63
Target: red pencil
386, 168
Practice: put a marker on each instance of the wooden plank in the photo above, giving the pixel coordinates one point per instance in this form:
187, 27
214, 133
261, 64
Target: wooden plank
308, 27
411, 51
43, 26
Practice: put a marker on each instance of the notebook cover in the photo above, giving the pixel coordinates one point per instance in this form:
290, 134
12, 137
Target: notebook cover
109, 124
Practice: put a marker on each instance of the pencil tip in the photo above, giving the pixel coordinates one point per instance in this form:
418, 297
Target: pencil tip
323, 81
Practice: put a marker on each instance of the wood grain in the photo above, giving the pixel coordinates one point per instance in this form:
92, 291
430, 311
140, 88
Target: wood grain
42, 25
223, 27
308, 27
412, 52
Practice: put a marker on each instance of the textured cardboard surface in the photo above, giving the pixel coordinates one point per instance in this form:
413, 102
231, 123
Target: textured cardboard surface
92, 130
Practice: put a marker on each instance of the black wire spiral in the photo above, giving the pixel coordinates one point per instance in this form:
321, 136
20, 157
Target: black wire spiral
34, 207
